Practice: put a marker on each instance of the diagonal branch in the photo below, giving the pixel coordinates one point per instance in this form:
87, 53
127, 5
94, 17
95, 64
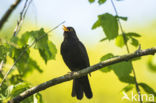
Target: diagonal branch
22, 17
8, 13
80, 73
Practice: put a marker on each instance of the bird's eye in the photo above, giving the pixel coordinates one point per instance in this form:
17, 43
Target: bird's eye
70, 29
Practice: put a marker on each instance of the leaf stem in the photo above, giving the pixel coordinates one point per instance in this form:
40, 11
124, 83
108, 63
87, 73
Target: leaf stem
128, 51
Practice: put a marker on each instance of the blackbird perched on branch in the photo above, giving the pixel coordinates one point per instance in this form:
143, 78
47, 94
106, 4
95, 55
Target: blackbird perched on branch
76, 58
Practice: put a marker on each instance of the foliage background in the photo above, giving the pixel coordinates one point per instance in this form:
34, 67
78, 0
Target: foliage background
141, 19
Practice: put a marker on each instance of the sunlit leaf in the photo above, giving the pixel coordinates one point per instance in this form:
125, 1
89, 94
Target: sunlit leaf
151, 64
49, 52
14, 90
3, 53
37, 98
119, 41
132, 34
15, 79
128, 88
109, 24
103, 39
105, 57
135, 59
25, 65
123, 70
91, 1
24, 39
28, 67
96, 24
3, 91
122, 18
147, 88
101, 1
134, 42
46, 48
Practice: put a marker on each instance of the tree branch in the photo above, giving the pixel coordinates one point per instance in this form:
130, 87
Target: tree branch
8, 13
22, 17
80, 73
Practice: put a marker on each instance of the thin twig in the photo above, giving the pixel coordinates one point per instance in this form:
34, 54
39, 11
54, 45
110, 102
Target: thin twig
128, 51
1, 65
8, 13
80, 73
22, 17
22, 53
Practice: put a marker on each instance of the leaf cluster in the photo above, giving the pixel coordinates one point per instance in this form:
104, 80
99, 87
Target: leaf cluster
19, 49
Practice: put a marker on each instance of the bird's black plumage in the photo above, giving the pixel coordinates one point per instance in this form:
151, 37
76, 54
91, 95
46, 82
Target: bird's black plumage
76, 58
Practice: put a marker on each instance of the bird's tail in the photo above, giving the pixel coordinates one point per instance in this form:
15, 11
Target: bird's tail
81, 85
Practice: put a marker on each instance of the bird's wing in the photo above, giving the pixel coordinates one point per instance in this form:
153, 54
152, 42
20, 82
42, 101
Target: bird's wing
75, 55
84, 54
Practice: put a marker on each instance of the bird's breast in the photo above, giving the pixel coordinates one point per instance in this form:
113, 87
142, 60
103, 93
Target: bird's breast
72, 55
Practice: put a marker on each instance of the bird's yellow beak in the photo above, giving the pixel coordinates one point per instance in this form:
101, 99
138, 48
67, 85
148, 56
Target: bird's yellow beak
65, 28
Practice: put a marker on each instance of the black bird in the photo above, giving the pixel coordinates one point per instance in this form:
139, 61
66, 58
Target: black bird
76, 58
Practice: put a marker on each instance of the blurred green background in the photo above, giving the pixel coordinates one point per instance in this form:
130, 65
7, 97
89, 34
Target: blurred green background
81, 15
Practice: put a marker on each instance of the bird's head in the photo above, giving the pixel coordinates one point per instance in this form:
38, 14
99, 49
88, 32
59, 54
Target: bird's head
69, 33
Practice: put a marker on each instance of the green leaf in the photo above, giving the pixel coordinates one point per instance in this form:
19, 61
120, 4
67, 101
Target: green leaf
15, 52
35, 35
24, 39
134, 42
1, 75
91, 1
103, 39
119, 41
37, 98
131, 34
96, 24
137, 58
3, 90
46, 48
105, 57
49, 52
122, 18
15, 79
147, 88
151, 64
128, 88
3, 53
123, 70
28, 67
25, 65
109, 25
14, 90
101, 1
